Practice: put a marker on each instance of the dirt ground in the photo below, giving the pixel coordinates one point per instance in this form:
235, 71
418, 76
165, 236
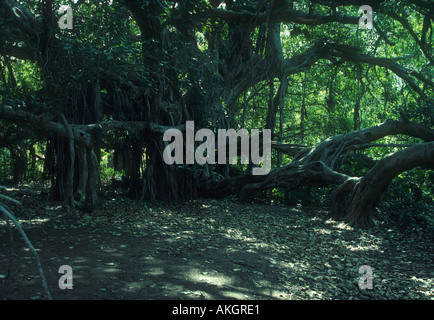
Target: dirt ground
208, 249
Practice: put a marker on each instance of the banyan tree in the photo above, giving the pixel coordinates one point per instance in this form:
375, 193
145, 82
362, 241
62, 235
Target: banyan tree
325, 85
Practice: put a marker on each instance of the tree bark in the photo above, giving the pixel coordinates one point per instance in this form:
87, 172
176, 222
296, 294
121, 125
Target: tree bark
319, 166
83, 174
68, 186
367, 192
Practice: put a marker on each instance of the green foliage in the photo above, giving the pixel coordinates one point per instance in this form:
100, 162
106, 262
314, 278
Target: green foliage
409, 201
107, 170
300, 197
106, 47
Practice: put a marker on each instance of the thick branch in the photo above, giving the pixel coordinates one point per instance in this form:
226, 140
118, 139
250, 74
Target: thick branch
128, 126
319, 166
18, 52
329, 150
81, 133
44, 125
368, 191
353, 54
284, 15
288, 148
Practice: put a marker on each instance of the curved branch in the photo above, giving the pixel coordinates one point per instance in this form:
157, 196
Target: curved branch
80, 133
316, 166
326, 150
408, 27
354, 54
286, 15
254, 70
368, 192
43, 124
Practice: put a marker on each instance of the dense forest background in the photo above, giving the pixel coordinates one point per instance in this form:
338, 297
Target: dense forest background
88, 90
84, 106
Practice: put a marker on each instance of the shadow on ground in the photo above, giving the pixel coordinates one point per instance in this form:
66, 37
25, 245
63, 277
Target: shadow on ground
207, 249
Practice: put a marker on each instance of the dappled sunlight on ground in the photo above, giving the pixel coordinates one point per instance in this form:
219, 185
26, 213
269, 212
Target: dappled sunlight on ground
207, 249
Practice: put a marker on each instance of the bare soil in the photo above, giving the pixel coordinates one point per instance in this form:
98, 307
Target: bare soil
208, 249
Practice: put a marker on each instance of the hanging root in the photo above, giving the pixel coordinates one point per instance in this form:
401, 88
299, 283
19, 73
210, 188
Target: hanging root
8, 215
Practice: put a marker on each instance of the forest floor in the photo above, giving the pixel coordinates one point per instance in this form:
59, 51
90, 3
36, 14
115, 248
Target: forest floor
209, 249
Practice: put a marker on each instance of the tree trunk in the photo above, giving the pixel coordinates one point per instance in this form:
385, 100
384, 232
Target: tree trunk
319, 167
136, 161
68, 186
294, 176
49, 161
367, 192
19, 157
83, 173
92, 182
